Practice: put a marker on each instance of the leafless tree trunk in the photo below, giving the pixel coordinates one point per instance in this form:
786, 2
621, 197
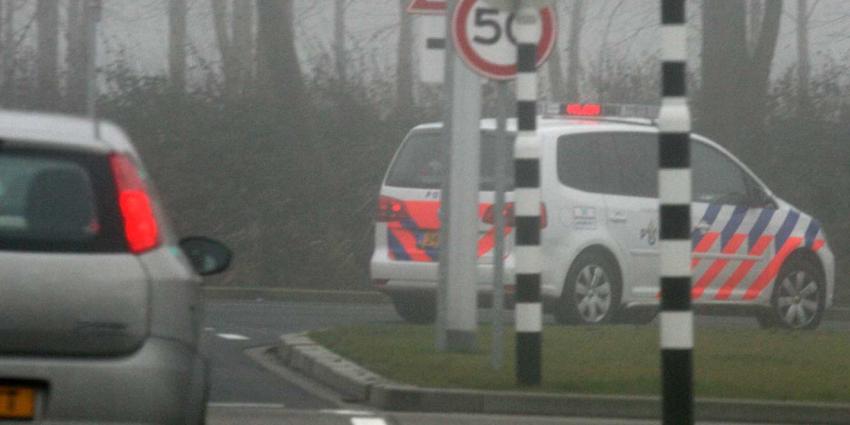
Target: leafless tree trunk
47, 19
339, 40
574, 50
243, 46
804, 14
404, 81
556, 77
277, 58
177, 45
225, 47
735, 81
75, 37
755, 13
8, 65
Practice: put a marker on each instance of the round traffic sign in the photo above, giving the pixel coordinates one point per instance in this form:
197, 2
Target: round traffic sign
484, 36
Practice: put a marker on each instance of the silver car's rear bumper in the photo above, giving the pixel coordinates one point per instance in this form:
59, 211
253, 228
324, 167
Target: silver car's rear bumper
161, 383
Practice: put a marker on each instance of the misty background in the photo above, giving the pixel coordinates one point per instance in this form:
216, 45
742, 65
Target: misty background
269, 123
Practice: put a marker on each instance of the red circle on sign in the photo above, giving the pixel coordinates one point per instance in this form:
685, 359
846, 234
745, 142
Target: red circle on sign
482, 65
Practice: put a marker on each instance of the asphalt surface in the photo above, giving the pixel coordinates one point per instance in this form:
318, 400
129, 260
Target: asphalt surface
245, 392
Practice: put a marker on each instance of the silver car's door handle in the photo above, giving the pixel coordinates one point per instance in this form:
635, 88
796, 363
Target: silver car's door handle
617, 216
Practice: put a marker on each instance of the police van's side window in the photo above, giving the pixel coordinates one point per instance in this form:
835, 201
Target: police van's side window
716, 179
585, 164
638, 158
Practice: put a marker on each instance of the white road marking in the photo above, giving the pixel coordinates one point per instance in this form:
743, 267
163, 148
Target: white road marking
247, 405
233, 337
367, 421
347, 412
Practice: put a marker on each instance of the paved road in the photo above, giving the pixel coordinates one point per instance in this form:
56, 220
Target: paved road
264, 416
246, 393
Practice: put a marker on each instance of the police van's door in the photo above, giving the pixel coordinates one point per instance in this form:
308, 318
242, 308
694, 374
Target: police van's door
633, 208
730, 221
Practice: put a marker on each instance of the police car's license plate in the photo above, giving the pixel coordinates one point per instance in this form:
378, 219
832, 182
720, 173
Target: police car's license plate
430, 239
17, 402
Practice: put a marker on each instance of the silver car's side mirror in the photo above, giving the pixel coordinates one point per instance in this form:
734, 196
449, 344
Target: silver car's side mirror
207, 256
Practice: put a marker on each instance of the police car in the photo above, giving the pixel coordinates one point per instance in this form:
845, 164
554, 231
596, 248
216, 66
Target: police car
599, 238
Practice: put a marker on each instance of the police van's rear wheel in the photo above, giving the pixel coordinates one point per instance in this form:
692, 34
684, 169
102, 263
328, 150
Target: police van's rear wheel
798, 298
418, 309
591, 292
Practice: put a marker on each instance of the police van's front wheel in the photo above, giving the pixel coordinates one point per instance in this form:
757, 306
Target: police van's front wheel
798, 298
591, 293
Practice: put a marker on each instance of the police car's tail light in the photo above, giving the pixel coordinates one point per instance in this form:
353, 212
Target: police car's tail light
140, 226
391, 209
489, 216
584, 109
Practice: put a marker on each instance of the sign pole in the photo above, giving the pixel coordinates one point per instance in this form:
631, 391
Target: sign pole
503, 154
528, 310
674, 187
445, 199
461, 247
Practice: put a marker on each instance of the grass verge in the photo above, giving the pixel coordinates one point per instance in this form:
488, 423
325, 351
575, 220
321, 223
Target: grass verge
746, 364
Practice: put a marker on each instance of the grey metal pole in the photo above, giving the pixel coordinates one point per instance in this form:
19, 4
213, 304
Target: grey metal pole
462, 245
445, 203
92, 14
500, 173
674, 189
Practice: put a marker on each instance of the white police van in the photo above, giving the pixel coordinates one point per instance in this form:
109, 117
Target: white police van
751, 250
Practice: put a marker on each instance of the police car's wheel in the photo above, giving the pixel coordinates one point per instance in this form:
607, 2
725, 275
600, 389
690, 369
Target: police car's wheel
798, 298
418, 309
591, 292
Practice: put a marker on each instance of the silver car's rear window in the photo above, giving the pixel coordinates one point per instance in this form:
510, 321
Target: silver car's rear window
56, 201
419, 163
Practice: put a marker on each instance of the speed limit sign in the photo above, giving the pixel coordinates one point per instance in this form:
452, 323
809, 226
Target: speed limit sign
484, 36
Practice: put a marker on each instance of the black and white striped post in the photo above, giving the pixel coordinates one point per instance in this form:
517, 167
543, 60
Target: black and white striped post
528, 310
674, 186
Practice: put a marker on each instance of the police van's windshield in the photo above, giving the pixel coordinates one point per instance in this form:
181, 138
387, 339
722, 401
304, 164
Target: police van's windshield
419, 163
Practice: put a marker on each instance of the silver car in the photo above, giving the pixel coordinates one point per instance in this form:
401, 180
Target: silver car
100, 305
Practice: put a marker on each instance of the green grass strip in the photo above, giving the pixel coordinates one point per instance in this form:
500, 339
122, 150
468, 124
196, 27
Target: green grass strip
748, 364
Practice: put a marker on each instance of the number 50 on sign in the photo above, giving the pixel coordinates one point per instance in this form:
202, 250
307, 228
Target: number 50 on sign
484, 36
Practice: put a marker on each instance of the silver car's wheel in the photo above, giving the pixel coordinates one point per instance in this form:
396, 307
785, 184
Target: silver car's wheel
591, 293
798, 298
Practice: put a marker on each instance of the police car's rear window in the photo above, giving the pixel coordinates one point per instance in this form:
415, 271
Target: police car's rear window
419, 163
57, 202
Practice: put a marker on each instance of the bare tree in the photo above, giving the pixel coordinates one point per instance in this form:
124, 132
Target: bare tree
177, 11
234, 43
556, 75
243, 45
735, 81
47, 20
404, 69
75, 60
574, 50
339, 39
804, 15
279, 72
9, 48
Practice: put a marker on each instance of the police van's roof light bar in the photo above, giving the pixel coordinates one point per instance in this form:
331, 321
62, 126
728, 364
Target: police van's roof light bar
617, 110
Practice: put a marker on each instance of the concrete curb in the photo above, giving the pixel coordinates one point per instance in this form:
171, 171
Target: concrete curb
298, 295
299, 352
